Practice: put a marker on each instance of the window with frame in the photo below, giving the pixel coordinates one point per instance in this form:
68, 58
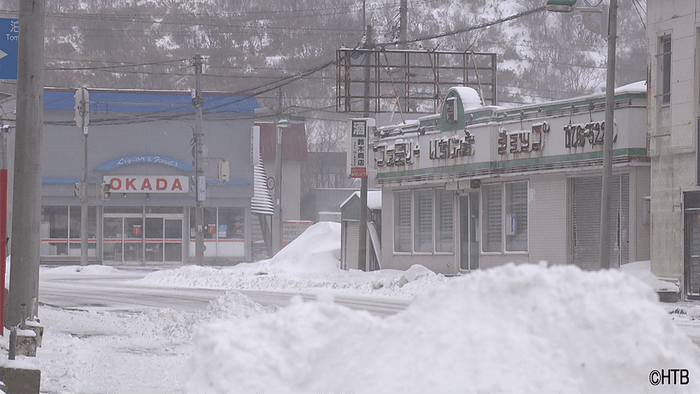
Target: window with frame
423, 216
402, 221
222, 226
60, 230
664, 60
505, 217
424, 221
444, 221
451, 110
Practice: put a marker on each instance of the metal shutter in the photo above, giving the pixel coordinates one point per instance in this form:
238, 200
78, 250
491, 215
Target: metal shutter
586, 207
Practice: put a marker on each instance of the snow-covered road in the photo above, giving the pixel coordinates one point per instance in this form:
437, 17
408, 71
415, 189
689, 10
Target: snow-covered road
122, 292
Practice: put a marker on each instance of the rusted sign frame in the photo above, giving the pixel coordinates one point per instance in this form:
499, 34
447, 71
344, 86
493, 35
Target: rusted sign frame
413, 78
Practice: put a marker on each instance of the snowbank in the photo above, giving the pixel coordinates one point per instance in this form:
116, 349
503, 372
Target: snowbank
311, 262
316, 250
514, 328
642, 271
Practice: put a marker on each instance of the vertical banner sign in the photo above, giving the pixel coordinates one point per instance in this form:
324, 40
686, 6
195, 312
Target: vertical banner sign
358, 143
9, 40
3, 244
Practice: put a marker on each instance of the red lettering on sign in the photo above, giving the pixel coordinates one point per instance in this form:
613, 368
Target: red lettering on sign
146, 184
115, 184
176, 185
130, 184
161, 184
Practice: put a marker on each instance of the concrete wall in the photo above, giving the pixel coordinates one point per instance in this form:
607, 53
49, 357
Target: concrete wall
672, 130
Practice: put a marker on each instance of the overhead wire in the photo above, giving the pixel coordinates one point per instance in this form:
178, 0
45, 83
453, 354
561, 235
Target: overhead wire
276, 84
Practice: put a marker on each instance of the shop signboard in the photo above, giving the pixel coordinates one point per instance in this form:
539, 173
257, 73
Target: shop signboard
9, 47
359, 132
147, 183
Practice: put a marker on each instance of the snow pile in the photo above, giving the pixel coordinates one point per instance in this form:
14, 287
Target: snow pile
93, 269
127, 352
642, 271
394, 283
514, 328
469, 96
309, 263
316, 250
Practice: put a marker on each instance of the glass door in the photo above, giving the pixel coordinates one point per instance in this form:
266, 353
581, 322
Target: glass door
154, 239
133, 239
173, 240
469, 231
112, 239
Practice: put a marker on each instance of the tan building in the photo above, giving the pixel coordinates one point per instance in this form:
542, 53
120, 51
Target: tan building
674, 140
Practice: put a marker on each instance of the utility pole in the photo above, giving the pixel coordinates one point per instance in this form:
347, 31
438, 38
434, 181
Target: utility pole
362, 248
200, 179
608, 141
278, 217
82, 118
26, 210
403, 20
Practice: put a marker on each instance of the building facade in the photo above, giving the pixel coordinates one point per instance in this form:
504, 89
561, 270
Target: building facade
140, 143
674, 141
476, 187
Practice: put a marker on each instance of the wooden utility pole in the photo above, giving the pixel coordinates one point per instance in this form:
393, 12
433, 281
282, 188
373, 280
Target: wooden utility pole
82, 120
200, 178
26, 210
362, 249
608, 142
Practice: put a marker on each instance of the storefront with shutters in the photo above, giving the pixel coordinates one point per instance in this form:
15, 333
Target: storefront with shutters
140, 144
476, 187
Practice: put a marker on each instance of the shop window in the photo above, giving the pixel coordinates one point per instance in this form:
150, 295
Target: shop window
423, 215
516, 217
444, 221
424, 221
60, 230
209, 223
664, 61
231, 223
224, 231
492, 214
505, 218
402, 221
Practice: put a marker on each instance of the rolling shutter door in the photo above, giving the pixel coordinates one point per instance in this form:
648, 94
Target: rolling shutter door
586, 221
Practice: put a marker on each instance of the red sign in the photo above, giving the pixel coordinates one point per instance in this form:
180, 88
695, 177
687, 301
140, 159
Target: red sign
137, 229
148, 184
358, 172
211, 228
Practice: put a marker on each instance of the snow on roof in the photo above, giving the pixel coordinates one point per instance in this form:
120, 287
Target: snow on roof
635, 87
470, 97
374, 199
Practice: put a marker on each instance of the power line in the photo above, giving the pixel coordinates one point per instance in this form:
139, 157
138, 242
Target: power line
468, 29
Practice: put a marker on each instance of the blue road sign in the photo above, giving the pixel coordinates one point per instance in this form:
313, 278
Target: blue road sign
9, 39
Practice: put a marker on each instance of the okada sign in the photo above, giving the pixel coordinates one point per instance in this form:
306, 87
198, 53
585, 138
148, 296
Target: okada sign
148, 184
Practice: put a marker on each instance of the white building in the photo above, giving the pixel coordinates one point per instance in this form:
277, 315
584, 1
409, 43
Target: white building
477, 187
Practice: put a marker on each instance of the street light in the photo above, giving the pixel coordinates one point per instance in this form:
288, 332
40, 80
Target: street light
277, 226
606, 195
